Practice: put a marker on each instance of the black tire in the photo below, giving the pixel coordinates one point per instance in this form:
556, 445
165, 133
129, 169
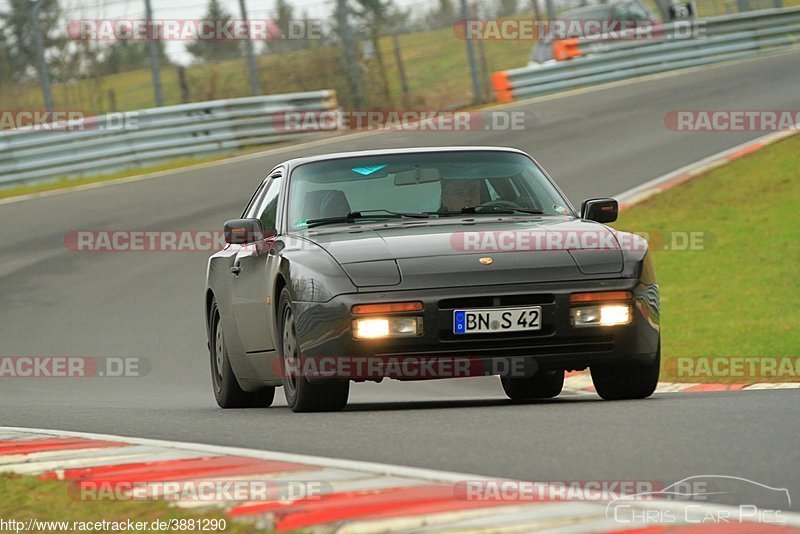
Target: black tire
227, 391
634, 381
302, 395
542, 385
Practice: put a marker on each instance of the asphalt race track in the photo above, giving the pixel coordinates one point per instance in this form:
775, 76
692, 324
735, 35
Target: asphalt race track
150, 305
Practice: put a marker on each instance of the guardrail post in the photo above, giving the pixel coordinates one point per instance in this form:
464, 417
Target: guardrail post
153, 52
251, 61
183, 84
473, 64
44, 77
352, 66
551, 11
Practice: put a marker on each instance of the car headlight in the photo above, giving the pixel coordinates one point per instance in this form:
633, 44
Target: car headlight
379, 327
601, 315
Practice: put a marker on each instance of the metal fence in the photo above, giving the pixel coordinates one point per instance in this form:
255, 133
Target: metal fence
116, 141
605, 58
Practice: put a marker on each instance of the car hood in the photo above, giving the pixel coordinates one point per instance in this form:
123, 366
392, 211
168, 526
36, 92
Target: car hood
421, 254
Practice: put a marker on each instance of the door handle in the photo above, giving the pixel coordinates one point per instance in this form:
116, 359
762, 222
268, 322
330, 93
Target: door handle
236, 269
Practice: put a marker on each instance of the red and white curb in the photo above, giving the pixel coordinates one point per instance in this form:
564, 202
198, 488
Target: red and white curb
581, 382
355, 497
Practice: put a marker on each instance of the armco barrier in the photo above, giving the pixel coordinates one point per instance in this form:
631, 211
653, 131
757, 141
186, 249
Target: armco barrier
604, 58
96, 146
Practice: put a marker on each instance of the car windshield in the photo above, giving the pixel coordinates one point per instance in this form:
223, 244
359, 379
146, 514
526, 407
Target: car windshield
438, 184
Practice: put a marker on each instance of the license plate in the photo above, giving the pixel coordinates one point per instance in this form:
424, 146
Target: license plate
496, 320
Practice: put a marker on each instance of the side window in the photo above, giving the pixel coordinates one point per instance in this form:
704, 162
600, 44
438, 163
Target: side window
267, 208
253, 199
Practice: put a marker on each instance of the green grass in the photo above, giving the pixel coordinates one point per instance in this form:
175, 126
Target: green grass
739, 297
25, 498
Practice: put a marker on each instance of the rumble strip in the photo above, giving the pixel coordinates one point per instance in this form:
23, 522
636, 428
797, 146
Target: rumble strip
347, 497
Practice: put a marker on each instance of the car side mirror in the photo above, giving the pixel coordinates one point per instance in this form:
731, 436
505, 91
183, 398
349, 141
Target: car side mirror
602, 210
243, 231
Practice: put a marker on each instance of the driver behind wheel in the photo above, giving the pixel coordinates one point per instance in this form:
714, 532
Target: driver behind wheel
460, 193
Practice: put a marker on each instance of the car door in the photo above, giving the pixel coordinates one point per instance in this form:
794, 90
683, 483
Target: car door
254, 269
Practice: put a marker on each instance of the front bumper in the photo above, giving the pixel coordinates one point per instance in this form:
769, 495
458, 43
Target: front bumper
324, 329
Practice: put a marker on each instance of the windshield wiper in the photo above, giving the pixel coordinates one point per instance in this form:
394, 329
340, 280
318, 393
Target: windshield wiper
491, 210
415, 215
364, 214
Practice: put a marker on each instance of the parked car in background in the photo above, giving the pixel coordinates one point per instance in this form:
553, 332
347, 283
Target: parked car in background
616, 14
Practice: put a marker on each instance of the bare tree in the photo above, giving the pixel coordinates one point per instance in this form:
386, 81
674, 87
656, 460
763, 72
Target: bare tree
375, 13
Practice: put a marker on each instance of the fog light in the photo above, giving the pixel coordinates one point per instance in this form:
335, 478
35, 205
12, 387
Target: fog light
378, 327
602, 315
371, 328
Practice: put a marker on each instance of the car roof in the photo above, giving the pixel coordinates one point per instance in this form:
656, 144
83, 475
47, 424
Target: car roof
383, 152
